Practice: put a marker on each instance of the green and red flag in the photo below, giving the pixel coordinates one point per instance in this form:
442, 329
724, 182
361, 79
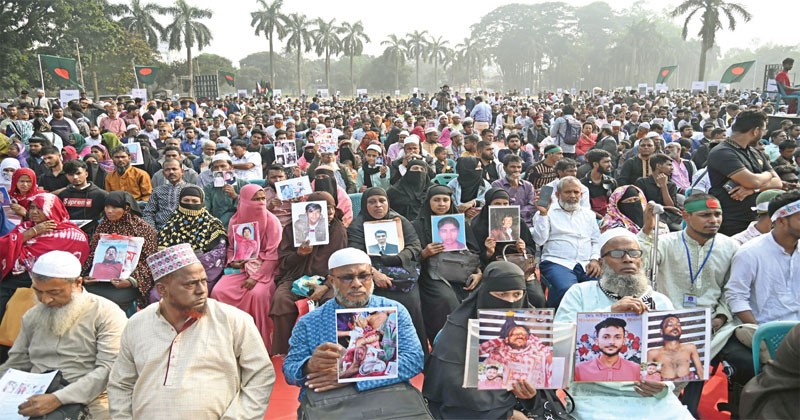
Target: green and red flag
736, 72
665, 73
227, 77
62, 69
146, 74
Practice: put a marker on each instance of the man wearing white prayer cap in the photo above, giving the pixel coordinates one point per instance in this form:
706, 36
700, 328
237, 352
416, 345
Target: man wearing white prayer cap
187, 356
623, 287
314, 350
69, 330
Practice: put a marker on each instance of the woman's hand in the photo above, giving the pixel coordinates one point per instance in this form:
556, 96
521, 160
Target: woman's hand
490, 244
305, 248
472, 212
521, 246
249, 284
19, 210
523, 390
473, 281
45, 227
120, 283
236, 264
432, 249
381, 280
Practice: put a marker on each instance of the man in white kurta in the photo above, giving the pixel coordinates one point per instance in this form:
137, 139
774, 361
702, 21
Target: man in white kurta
187, 357
69, 330
622, 288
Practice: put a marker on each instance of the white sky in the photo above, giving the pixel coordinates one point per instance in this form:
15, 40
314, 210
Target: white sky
234, 37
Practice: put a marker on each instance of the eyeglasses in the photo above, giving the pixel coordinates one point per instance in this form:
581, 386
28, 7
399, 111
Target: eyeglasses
620, 253
362, 277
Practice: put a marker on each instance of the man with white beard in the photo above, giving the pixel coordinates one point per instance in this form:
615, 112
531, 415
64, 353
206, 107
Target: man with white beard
568, 233
69, 330
622, 288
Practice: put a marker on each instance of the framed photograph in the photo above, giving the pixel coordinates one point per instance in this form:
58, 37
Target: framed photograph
450, 231
384, 237
135, 150
369, 336
310, 222
608, 339
504, 223
246, 243
293, 188
5, 199
517, 345
677, 345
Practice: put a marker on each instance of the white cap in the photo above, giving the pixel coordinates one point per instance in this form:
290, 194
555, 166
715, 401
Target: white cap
375, 147
58, 264
618, 232
403, 133
221, 156
347, 256
431, 130
651, 135
411, 139
644, 125
616, 123
131, 127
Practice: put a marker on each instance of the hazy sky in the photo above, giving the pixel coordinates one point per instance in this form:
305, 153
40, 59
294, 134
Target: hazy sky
234, 38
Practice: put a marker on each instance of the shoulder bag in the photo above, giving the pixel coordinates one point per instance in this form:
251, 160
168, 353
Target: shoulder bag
397, 401
453, 267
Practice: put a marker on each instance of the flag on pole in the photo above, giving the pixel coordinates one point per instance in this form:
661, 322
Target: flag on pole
665, 73
258, 88
146, 74
62, 69
736, 72
228, 77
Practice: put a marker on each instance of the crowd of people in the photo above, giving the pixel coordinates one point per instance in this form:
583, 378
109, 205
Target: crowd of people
588, 171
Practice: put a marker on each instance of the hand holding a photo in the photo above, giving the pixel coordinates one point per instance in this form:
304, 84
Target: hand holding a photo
324, 358
490, 244
305, 248
120, 283
326, 381
523, 390
520, 245
649, 389
432, 249
39, 405
629, 304
228, 189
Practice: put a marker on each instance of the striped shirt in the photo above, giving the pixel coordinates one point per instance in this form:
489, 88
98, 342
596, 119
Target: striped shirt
541, 175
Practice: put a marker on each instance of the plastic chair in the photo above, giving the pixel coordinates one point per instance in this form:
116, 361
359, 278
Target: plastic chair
257, 182
444, 179
772, 333
356, 202
783, 96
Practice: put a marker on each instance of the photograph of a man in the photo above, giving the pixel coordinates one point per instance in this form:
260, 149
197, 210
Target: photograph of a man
450, 232
309, 223
609, 366
109, 268
382, 247
491, 378
674, 357
504, 223
522, 354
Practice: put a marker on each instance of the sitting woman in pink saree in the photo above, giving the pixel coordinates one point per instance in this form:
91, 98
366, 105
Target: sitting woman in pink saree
252, 288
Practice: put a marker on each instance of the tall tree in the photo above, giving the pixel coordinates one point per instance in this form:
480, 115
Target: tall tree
353, 45
272, 22
436, 52
327, 43
140, 19
300, 41
395, 51
711, 19
469, 54
417, 45
186, 31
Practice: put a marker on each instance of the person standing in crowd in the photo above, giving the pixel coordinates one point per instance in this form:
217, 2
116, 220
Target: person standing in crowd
738, 172
155, 368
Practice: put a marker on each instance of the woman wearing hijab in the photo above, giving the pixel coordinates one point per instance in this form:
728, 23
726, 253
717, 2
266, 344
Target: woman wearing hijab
122, 216
103, 158
252, 288
16, 150
7, 169
626, 210
502, 287
297, 262
444, 138
68, 153
439, 299
47, 229
77, 141
469, 187
325, 180
110, 141
408, 194
375, 206
193, 224
23, 187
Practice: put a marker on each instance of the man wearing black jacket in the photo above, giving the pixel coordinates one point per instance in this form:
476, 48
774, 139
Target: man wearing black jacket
83, 199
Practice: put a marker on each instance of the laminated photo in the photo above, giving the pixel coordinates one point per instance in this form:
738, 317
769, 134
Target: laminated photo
369, 337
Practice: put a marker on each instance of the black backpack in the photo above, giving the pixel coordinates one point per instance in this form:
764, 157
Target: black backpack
572, 132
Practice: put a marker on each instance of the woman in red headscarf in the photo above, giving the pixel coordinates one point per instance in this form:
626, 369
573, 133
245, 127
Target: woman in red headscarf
23, 187
252, 288
47, 229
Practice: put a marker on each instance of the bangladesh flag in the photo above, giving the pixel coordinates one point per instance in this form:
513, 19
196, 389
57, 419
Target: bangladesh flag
736, 72
146, 74
228, 77
63, 70
665, 73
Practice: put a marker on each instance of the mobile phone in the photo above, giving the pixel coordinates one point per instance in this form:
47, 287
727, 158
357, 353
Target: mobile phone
545, 194
728, 186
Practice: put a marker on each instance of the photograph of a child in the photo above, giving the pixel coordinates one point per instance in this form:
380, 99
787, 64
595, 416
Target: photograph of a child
369, 336
450, 231
246, 242
504, 223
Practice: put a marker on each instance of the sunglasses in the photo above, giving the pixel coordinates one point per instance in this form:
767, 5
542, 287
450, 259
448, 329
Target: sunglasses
619, 253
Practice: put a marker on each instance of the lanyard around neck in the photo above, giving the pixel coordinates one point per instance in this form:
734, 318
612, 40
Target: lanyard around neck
692, 275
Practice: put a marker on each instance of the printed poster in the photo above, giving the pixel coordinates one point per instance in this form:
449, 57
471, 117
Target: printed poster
246, 243
310, 222
115, 257
369, 336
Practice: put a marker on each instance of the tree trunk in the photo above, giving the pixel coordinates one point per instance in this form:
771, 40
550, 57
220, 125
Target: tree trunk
327, 70
191, 70
703, 53
397, 72
96, 86
352, 82
417, 70
435, 73
299, 81
271, 65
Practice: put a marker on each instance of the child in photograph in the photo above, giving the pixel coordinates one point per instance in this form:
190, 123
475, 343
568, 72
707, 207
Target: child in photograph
652, 373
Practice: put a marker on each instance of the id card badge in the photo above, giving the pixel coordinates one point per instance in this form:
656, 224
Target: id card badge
689, 300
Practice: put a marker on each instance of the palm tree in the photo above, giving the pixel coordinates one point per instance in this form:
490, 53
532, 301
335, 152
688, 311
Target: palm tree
711, 19
187, 31
396, 50
272, 22
436, 53
417, 43
449, 60
299, 41
467, 52
139, 19
327, 42
353, 45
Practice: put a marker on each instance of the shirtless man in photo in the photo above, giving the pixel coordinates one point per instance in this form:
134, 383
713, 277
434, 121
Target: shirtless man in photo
675, 357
